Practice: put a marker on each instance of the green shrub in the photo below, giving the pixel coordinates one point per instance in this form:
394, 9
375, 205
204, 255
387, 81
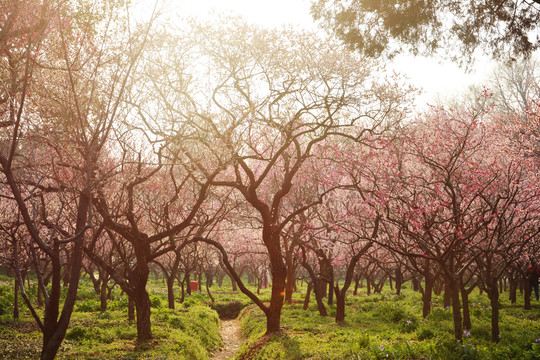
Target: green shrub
425, 333
189, 349
88, 305
81, 333
125, 332
409, 324
105, 315
119, 303
176, 322
450, 349
229, 310
156, 301
440, 314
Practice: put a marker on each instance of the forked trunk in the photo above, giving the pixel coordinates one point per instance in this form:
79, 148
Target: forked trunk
340, 306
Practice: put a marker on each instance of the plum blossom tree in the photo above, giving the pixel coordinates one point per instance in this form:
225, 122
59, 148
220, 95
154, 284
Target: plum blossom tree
269, 98
451, 184
55, 129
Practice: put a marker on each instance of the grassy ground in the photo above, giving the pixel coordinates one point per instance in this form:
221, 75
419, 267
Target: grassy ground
385, 326
381, 326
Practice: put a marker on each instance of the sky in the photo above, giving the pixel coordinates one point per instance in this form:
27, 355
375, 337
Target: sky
439, 79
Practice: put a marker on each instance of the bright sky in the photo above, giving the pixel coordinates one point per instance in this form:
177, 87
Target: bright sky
438, 79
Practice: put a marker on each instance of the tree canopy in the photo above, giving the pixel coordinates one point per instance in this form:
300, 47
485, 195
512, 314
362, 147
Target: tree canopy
501, 29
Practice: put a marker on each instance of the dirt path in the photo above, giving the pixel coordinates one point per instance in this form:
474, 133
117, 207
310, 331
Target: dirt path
232, 337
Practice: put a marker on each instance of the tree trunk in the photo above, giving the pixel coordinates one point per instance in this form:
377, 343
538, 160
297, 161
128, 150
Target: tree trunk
340, 305
187, 280
308, 293
170, 291
103, 295
494, 300
466, 313
447, 299
39, 296
427, 295
356, 284
183, 295
528, 291
16, 299
208, 290
415, 284
399, 281
131, 309
331, 292
290, 282
233, 284
279, 276
142, 302
55, 327
456, 309
316, 288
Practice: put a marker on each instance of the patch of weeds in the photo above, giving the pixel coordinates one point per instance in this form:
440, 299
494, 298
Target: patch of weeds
87, 305
156, 301
229, 310
425, 333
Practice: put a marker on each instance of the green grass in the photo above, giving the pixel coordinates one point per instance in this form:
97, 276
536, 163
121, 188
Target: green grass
391, 327
379, 326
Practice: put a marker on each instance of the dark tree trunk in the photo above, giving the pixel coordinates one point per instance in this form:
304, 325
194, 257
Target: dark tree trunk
527, 294
331, 291
466, 313
356, 284
187, 280
456, 309
208, 290
438, 287
131, 309
170, 291
427, 294
55, 327
39, 296
528, 291
415, 284
399, 281
316, 288
447, 299
279, 276
342, 293
103, 295
183, 294
289, 288
142, 302
233, 284
308, 294
340, 305
16, 298
493, 294
512, 296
